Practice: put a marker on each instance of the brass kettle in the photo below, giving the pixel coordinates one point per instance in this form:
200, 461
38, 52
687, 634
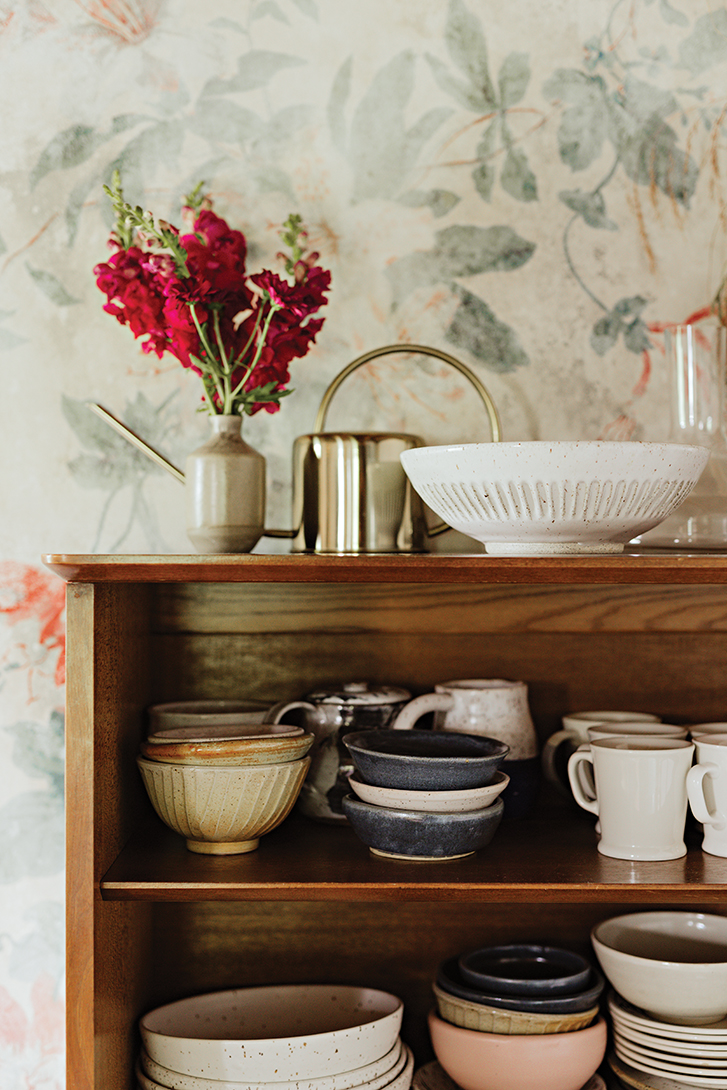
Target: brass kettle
350, 492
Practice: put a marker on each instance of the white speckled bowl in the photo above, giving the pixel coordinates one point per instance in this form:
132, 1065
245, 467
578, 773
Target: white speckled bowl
222, 811
274, 1033
397, 1076
541, 498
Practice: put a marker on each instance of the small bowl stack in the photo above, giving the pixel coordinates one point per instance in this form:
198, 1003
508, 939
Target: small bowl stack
223, 785
288, 1037
516, 1016
424, 795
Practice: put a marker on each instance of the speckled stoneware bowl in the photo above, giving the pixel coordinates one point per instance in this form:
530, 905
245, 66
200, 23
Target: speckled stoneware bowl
223, 811
525, 969
267, 747
449, 979
425, 760
273, 1033
412, 834
538, 498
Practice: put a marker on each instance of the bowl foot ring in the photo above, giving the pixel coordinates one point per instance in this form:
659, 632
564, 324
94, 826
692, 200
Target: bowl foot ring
209, 847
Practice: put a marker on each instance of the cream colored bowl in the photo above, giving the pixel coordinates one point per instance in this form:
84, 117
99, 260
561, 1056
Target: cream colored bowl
375, 1076
540, 498
485, 1019
223, 811
274, 1033
431, 802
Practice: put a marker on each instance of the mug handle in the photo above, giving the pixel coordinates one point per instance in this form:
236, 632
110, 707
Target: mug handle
419, 706
551, 747
275, 713
584, 755
697, 801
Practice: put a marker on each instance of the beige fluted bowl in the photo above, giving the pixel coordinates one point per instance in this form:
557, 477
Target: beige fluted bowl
223, 811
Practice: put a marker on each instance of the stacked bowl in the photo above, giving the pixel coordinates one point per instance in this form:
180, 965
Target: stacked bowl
516, 1016
424, 795
668, 1006
223, 784
287, 1037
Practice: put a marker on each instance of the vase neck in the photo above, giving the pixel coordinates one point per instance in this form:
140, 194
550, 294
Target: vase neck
223, 424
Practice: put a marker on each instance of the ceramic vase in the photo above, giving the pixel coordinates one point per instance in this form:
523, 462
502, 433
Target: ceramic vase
225, 491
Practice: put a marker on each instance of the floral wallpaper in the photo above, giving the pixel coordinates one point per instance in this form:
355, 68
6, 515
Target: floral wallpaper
535, 188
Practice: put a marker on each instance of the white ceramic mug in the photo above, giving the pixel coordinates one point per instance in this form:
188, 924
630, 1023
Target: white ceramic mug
494, 707
707, 790
574, 733
640, 794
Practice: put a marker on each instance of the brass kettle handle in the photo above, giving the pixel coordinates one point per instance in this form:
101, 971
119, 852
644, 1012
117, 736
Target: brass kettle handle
416, 349
423, 350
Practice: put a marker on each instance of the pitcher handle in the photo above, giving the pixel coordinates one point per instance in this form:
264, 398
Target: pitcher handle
551, 747
275, 713
417, 349
419, 706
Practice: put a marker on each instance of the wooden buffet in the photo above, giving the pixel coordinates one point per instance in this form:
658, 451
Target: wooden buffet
149, 922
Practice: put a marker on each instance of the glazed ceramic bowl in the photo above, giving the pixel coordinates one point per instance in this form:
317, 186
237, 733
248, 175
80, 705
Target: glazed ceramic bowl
671, 964
205, 713
525, 969
537, 498
498, 1061
271, 745
433, 802
413, 834
425, 760
450, 980
486, 1019
274, 1033
375, 1076
222, 811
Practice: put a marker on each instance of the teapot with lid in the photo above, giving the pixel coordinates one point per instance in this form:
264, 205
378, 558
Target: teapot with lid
330, 714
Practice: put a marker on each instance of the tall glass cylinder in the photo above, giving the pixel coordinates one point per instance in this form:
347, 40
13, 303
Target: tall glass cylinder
697, 367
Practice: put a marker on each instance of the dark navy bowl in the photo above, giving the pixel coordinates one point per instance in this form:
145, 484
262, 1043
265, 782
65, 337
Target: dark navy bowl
425, 760
449, 979
413, 834
525, 969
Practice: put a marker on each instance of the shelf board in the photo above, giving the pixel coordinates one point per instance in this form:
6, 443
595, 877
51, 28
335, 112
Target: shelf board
543, 859
638, 566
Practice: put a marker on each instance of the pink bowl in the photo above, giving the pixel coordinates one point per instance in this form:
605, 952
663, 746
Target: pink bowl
497, 1061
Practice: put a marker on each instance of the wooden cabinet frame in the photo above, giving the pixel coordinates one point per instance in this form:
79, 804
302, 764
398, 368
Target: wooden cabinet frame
149, 922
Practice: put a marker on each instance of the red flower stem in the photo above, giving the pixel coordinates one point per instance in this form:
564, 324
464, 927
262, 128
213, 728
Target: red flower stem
258, 349
208, 349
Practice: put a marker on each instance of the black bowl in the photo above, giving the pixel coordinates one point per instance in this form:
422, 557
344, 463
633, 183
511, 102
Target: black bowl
425, 760
450, 980
525, 969
413, 834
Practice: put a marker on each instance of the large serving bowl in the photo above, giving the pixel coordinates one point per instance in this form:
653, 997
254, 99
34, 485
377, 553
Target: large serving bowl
425, 760
273, 1033
554, 497
222, 811
496, 1061
415, 834
671, 964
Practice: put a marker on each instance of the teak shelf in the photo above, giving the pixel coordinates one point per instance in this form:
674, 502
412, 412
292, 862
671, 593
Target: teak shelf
149, 922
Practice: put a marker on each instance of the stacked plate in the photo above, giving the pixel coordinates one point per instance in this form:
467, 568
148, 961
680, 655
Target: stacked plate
289, 1037
661, 1055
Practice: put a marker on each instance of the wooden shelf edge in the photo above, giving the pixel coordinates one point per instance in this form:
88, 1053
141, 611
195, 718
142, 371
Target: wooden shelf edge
632, 567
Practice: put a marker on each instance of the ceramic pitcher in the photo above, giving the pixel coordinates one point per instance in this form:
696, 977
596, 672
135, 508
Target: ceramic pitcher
494, 707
